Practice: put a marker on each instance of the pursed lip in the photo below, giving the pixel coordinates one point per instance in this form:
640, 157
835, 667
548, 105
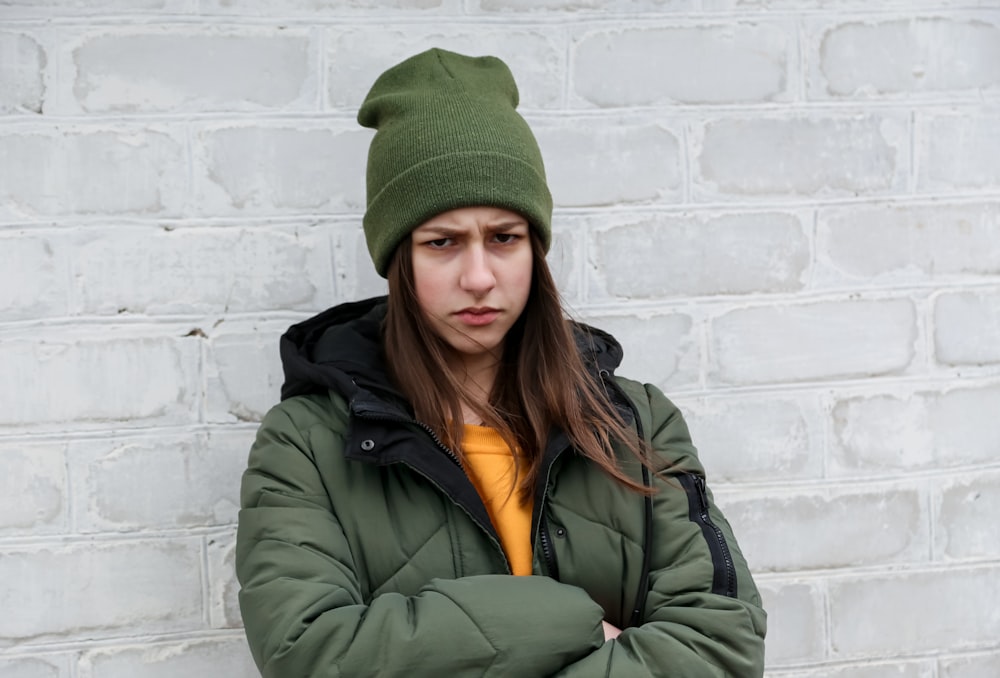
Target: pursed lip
477, 315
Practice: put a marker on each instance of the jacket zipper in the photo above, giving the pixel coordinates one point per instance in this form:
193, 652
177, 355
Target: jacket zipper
440, 445
548, 553
544, 537
721, 547
448, 452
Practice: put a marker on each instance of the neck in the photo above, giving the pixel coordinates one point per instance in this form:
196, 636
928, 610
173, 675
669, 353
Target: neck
476, 374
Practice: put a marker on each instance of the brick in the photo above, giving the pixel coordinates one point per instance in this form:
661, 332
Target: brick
134, 587
356, 57
45, 7
958, 151
199, 70
354, 271
967, 328
966, 525
909, 243
280, 169
599, 162
839, 5
898, 668
809, 529
795, 622
224, 606
236, 393
227, 656
22, 74
639, 66
34, 667
659, 349
811, 156
980, 666
33, 488
820, 340
913, 432
583, 5
315, 8
90, 171
749, 438
928, 55
665, 256
566, 262
33, 277
169, 482
201, 270
98, 380
915, 612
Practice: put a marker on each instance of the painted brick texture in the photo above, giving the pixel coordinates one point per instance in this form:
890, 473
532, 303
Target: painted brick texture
788, 211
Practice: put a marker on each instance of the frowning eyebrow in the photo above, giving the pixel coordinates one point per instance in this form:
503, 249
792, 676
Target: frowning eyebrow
442, 231
506, 225
451, 232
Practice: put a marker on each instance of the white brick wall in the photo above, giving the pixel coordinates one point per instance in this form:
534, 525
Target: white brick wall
788, 210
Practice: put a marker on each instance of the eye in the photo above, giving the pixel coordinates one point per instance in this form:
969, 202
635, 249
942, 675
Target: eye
438, 243
506, 238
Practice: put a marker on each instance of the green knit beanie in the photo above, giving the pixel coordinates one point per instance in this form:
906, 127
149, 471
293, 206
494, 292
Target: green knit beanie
448, 136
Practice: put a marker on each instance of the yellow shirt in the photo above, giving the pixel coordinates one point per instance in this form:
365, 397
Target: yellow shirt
490, 465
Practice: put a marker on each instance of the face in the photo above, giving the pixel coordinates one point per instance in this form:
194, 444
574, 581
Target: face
472, 275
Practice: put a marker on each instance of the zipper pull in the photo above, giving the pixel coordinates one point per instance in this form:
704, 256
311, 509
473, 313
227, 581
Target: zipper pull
699, 482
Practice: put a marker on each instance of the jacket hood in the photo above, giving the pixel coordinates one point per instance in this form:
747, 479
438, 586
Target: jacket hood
341, 349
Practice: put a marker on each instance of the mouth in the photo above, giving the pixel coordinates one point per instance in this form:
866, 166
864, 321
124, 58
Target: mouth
478, 315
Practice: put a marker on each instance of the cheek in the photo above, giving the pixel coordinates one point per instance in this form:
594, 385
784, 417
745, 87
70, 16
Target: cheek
523, 278
425, 295
428, 286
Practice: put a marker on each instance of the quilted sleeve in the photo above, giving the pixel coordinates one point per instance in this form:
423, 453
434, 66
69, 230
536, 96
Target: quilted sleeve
703, 616
303, 610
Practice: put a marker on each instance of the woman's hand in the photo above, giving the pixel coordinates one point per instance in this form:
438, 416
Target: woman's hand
610, 632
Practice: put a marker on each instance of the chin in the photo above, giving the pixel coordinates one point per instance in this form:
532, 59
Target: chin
472, 350
466, 347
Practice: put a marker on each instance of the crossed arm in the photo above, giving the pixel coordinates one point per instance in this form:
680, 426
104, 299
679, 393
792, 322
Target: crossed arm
305, 615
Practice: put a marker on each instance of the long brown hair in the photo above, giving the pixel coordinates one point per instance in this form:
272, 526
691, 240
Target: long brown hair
542, 381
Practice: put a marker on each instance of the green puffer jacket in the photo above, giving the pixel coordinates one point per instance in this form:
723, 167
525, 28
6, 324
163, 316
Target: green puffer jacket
363, 549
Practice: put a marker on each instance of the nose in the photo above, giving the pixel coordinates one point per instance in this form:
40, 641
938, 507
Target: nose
477, 274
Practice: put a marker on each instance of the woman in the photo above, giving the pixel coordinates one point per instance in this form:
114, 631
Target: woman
455, 483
